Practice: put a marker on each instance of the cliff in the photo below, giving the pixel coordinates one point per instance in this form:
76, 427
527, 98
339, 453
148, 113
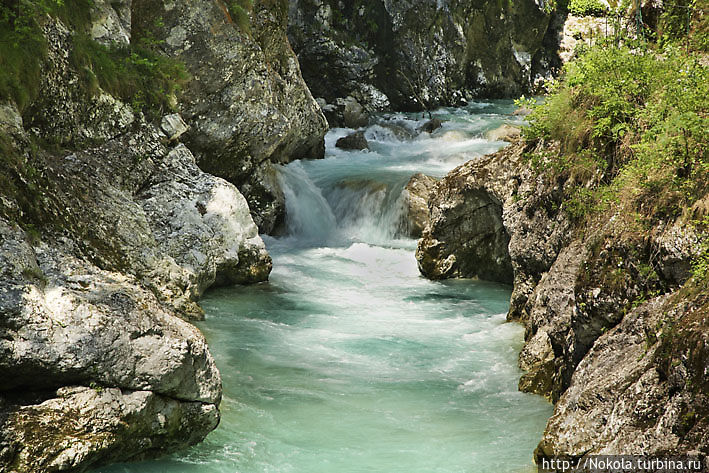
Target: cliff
422, 53
598, 219
110, 228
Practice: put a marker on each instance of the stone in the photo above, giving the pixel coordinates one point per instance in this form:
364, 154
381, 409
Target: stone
504, 132
111, 22
436, 52
431, 125
416, 195
246, 104
353, 141
623, 373
354, 115
173, 126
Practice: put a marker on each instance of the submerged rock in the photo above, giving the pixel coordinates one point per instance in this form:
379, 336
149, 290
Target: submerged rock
431, 125
354, 140
416, 195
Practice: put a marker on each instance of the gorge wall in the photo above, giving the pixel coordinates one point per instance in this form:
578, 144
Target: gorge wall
110, 228
422, 53
616, 332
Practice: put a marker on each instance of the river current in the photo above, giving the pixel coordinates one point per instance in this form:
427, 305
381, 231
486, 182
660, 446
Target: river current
348, 360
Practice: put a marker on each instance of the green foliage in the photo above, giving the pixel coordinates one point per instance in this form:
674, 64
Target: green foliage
137, 75
637, 120
587, 7
239, 11
684, 22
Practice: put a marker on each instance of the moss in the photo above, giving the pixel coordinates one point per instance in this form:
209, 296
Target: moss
138, 75
147, 80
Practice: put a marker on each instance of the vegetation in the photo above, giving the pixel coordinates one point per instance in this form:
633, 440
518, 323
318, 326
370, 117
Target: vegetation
631, 123
636, 124
135, 74
587, 7
239, 10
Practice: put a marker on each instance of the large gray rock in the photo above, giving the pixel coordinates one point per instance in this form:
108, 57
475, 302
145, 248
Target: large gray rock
416, 195
641, 388
438, 52
246, 103
114, 242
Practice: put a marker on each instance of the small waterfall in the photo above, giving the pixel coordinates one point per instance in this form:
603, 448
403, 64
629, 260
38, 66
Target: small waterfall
308, 213
356, 209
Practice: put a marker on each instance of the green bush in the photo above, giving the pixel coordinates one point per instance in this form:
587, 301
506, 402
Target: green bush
587, 7
137, 75
638, 122
240, 11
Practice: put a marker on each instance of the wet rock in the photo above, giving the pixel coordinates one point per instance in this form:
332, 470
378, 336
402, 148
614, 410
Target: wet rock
466, 236
416, 195
356, 141
505, 132
431, 125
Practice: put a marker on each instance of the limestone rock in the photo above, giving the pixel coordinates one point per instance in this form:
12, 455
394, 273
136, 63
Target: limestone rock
246, 103
416, 195
356, 141
111, 22
123, 237
505, 132
83, 427
354, 115
636, 390
173, 126
440, 52
617, 369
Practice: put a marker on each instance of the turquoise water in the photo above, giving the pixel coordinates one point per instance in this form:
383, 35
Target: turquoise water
347, 360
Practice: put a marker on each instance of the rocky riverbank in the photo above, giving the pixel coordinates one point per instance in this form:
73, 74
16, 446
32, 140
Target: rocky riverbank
111, 230
616, 331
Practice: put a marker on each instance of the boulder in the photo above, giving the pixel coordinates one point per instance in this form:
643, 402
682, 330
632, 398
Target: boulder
173, 126
504, 132
353, 141
431, 125
354, 115
246, 104
416, 195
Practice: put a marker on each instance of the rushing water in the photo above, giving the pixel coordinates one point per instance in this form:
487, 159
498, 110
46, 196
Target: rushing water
349, 361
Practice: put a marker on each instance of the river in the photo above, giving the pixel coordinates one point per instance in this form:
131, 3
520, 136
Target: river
348, 360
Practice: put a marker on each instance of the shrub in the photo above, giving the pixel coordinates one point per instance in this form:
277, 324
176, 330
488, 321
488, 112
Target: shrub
639, 119
587, 7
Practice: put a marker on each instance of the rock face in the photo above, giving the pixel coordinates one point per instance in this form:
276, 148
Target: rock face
246, 103
106, 244
400, 54
416, 195
621, 370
